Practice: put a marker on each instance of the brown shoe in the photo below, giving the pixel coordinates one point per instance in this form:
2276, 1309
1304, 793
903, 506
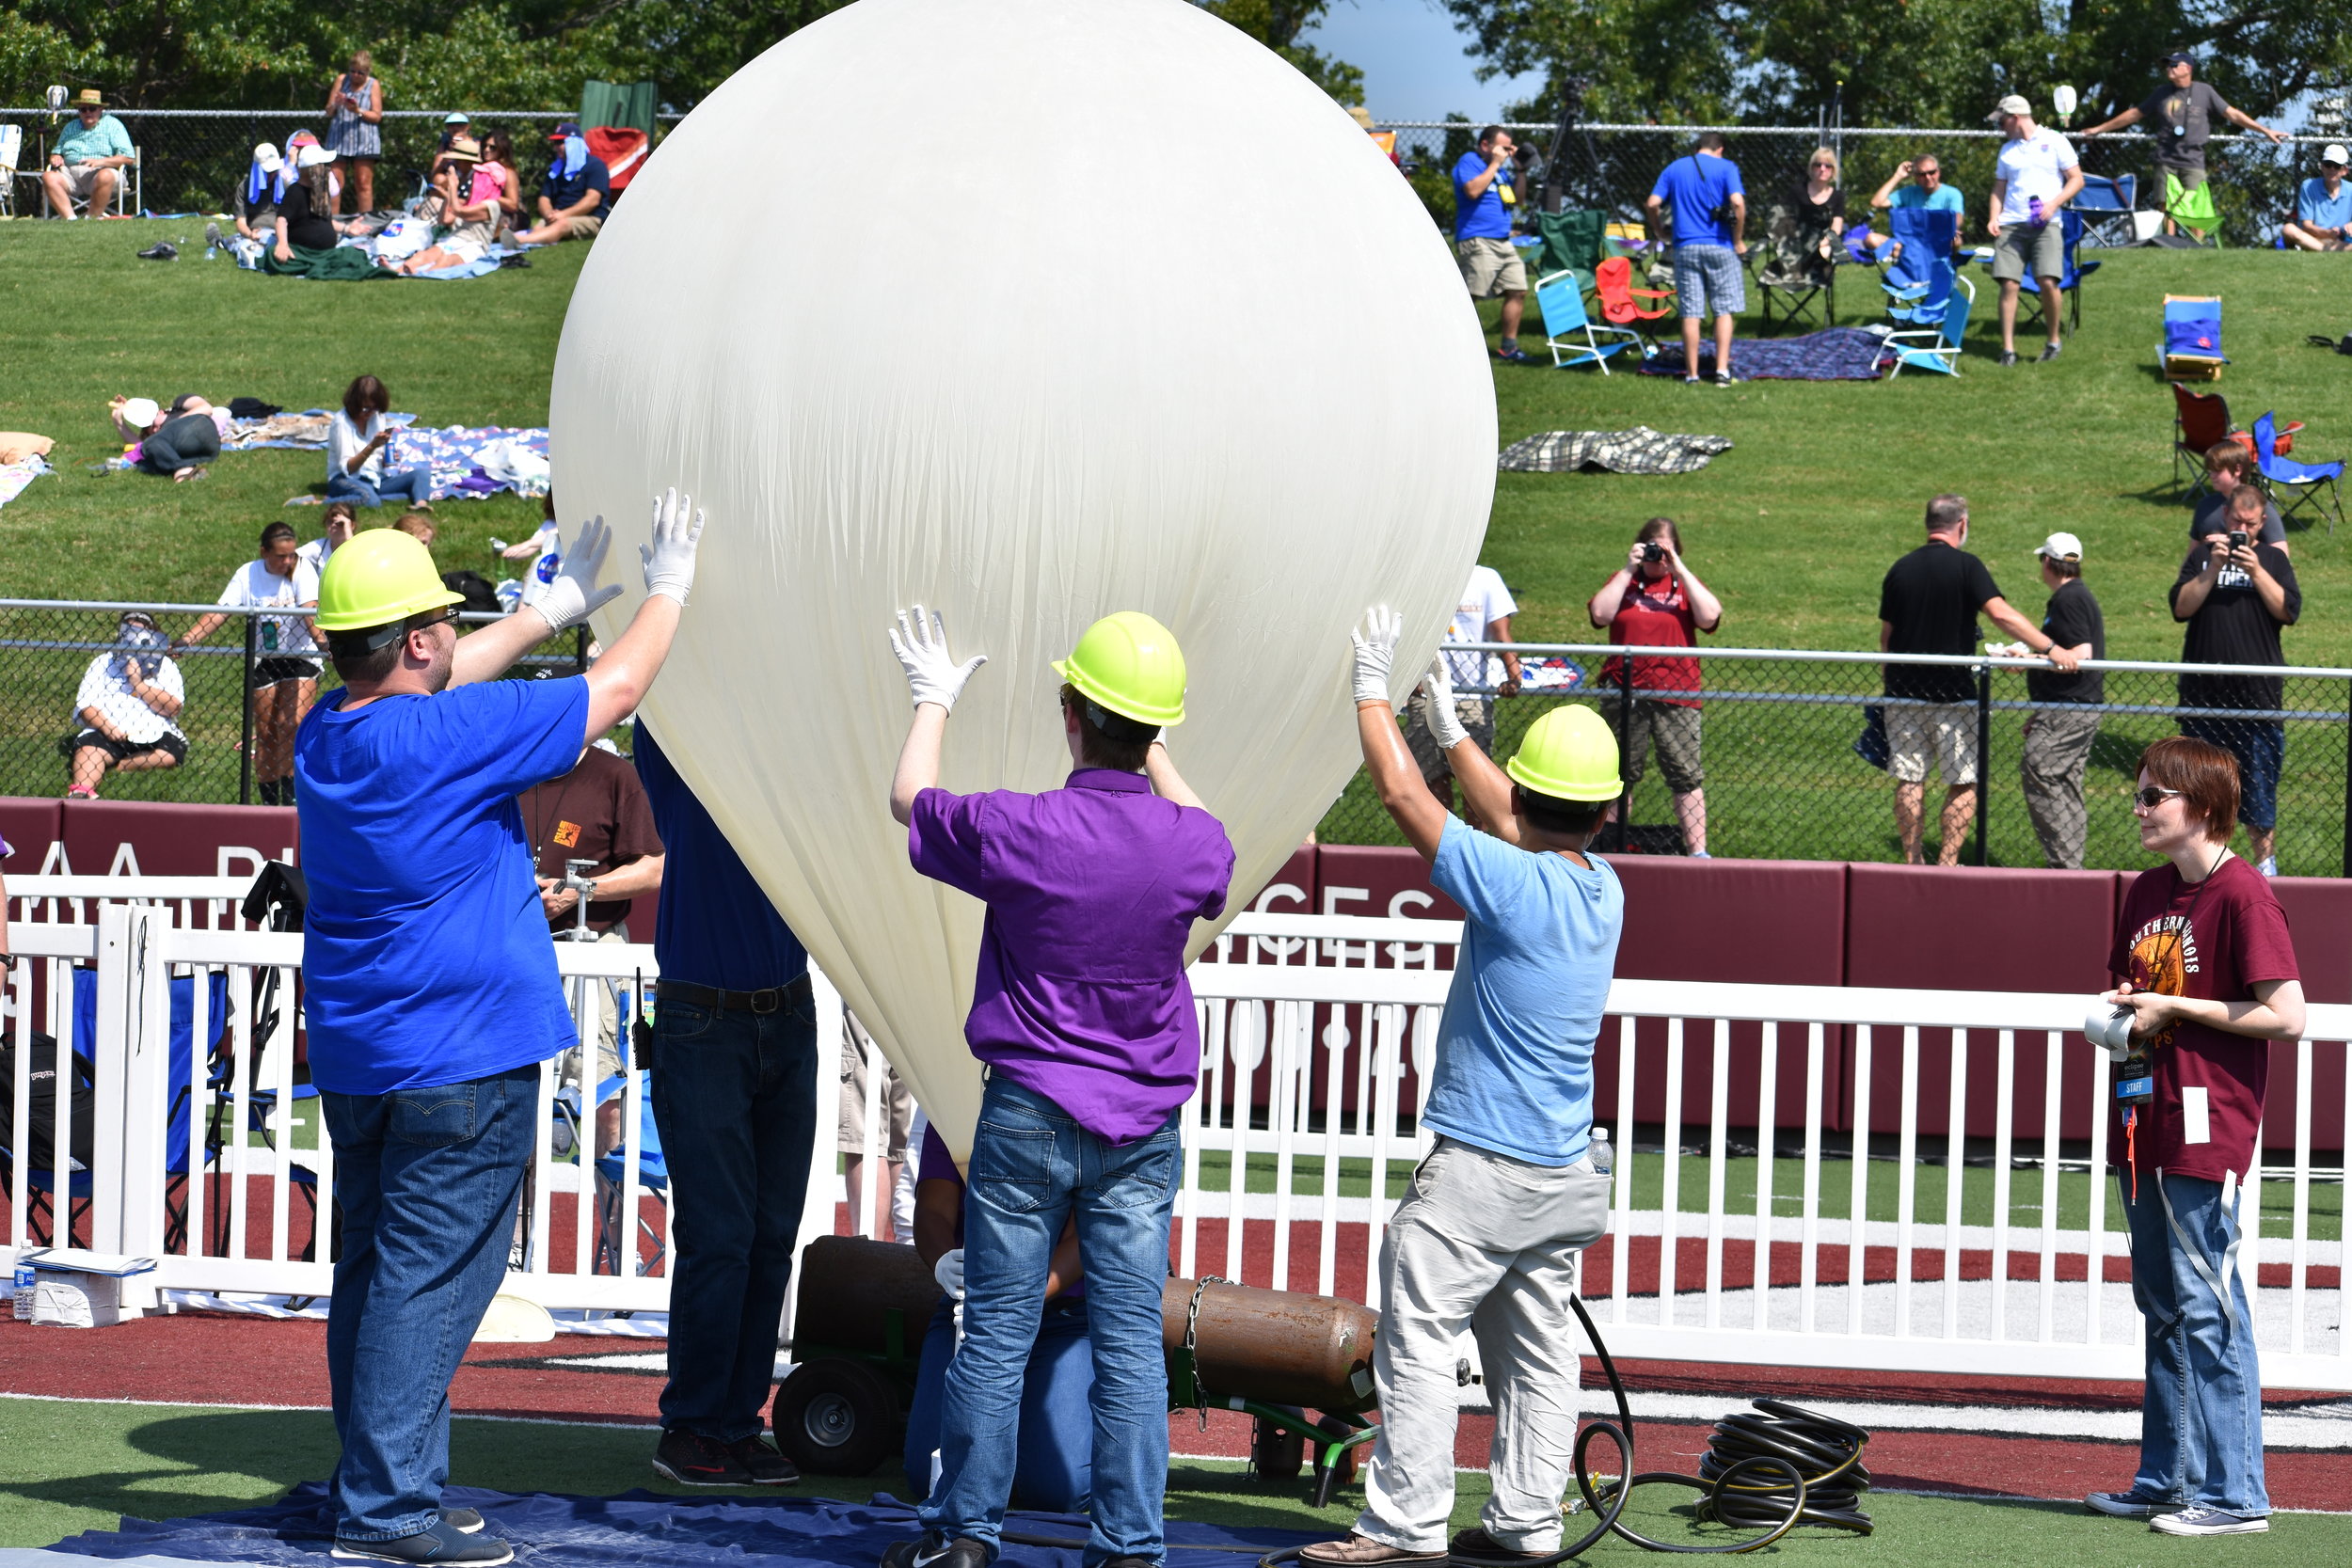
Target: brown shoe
1358, 1551
1475, 1546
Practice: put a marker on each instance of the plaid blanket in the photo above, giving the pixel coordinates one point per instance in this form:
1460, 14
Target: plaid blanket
1639, 451
1840, 354
472, 462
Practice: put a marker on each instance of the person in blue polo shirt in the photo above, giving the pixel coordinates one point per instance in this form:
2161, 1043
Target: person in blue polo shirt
576, 196
432, 994
2322, 205
1484, 196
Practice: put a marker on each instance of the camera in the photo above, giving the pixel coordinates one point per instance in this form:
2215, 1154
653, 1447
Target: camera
2109, 1027
2237, 539
1653, 553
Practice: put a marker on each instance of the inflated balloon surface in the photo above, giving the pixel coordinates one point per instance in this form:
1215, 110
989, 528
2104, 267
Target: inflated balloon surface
1029, 311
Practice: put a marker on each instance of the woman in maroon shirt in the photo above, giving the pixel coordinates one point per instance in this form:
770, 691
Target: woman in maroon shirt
2203, 960
1656, 600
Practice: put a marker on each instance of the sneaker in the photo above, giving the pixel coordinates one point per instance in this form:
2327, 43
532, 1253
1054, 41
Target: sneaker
1514, 357
1475, 1546
1722, 378
690, 1459
78, 793
936, 1551
2267, 865
2009, 356
465, 1521
2197, 1519
2128, 1505
2049, 352
162, 250
1693, 381
760, 1460
437, 1543
212, 237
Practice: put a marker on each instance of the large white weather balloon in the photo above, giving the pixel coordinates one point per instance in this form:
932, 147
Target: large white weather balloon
1030, 310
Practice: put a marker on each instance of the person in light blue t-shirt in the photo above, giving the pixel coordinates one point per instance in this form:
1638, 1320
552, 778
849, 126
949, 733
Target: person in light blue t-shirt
1514, 1187
1709, 206
432, 992
1484, 197
2322, 205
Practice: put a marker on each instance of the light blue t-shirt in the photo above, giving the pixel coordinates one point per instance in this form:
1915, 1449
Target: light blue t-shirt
1514, 1071
2316, 208
1944, 199
425, 946
1482, 216
77, 144
1692, 188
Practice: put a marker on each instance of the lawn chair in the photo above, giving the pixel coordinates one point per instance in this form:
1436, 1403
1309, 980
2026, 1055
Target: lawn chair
11, 160
1571, 243
2192, 210
613, 1233
2070, 272
1795, 267
2200, 422
1939, 347
2191, 350
2105, 205
1620, 301
1918, 280
2298, 484
1570, 334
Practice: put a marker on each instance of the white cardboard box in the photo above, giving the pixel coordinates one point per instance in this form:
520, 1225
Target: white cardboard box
75, 1289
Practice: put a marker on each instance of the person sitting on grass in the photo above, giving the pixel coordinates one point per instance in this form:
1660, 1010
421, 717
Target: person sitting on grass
467, 207
577, 194
178, 441
127, 708
254, 203
2322, 205
335, 530
419, 526
306, 213
356, 439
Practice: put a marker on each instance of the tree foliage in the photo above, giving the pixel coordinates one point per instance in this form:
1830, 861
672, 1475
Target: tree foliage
1277, 24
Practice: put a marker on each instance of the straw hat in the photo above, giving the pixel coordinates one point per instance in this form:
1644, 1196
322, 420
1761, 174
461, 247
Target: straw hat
465, 149
89, 97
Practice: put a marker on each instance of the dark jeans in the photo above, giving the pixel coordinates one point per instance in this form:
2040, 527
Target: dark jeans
427, 1181
181, 443
735, 1100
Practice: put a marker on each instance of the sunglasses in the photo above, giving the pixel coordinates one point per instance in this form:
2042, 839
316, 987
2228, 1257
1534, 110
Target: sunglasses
1931, 173
2151, 797
1832, 168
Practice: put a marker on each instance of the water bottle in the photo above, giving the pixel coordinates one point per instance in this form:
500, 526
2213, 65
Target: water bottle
2039, 217
1604, 1158
24, 1288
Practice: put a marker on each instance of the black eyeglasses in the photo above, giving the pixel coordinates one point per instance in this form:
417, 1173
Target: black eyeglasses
432, 618
2151, 797
1930, 174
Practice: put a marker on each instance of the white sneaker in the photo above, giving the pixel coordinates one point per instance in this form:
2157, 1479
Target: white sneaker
2267, 865
2197, 1519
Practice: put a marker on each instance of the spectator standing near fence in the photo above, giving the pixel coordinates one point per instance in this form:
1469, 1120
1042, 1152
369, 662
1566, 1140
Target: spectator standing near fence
86, 159
2036, 174
2058, 740
354, 111
2322, 205
1928, 604
1483, 200
126, 713
1656, 600
2235, 593
356, 439
1709, 208
285, 671
1482, 615
2180, 118
576, 196
2229, 468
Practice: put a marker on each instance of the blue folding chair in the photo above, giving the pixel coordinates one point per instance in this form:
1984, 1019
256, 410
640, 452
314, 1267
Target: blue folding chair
653, 1176
1939, 347
1918, 280
1570, 334
2297, 484
2072, 270
2106, 205
2191, 350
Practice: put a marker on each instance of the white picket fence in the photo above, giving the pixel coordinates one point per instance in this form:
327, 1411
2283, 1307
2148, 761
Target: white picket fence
1308, 1024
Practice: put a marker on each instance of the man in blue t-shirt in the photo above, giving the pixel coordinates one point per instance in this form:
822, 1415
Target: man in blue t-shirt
432, 992
2322, 205
1516, 1184
1484, 196
733, 1060
577, 194
1930, 195
1708, 207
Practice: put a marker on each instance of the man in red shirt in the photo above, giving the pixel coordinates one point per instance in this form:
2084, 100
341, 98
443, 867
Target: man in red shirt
1655, 600
2205, 964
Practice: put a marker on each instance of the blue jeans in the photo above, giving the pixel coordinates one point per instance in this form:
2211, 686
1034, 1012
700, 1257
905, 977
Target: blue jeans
427, 1180
1054, 1465
1032, 1168
2260, 746
415, 485
2201, 1418
735, 1100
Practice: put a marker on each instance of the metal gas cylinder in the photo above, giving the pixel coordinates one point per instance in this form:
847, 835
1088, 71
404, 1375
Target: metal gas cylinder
1276, 1347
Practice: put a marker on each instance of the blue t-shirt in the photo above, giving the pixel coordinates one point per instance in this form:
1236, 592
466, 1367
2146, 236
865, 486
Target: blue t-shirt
2313, 206
425, 946
1944, 199
1482, 216
592, 176
1514, 1053
714, 926
1693, 187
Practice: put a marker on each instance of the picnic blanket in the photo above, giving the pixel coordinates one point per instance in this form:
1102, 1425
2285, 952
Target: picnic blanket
473, 462
1639, 451
1840, 354
14, 477
339, 263
303, 432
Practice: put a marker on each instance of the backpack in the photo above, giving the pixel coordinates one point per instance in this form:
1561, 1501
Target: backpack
38, 1143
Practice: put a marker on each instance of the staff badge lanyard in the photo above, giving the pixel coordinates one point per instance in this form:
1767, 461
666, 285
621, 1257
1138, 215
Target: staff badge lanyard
2136, 1085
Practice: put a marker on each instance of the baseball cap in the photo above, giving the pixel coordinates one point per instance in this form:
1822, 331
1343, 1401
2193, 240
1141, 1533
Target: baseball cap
138, 413
2015, 104
2179, 57
457, 119
265, 154
312, 155
2334, 153
2060, 547
563, 131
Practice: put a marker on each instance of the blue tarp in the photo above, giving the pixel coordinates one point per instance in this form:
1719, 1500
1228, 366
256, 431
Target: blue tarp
647, 1527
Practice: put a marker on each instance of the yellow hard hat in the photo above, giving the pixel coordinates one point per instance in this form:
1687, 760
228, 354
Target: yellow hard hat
1129, 664
1569, 754
381, 577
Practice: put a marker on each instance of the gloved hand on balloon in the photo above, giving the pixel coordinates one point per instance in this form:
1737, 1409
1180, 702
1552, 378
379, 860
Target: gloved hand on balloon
1444, 719
932, 675
574, 595
948, 1271
1375, 650
669, 560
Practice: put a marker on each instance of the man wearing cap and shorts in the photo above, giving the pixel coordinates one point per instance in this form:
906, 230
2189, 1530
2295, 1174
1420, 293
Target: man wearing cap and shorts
432, 994
1082, 1016
2322, 205
2036, 174
2180, 117
2058, 738
577, 193
1709, 209
87, 158
1483, 198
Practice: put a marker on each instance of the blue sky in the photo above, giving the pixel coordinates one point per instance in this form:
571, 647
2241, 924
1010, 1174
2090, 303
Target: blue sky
1413, 60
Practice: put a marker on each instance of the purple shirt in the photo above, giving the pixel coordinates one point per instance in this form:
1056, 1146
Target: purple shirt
1091, 891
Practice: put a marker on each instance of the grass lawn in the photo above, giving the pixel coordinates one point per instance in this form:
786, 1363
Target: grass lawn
79, 1467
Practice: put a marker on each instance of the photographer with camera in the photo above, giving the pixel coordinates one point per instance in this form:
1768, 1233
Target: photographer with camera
2206, 977
1655, 600
2236, 592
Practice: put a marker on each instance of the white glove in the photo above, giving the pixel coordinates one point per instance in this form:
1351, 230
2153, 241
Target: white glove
669, 561
948, 1271
932, 675
1444, 720
573, 596
1375, 650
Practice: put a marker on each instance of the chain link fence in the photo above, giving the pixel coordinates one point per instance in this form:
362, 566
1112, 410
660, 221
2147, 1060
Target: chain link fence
54, 656
1781, 737
1613, 167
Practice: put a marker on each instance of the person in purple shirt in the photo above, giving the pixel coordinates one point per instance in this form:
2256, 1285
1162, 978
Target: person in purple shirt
1082, 1016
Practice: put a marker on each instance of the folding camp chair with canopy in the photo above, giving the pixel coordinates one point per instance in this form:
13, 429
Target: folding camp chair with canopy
2299, 484
1571, 243
1936, 348
1573, 336
1918, 279
1796, 266
2191, 350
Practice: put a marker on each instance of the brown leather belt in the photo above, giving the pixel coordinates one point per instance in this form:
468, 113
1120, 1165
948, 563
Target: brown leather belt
774, 1000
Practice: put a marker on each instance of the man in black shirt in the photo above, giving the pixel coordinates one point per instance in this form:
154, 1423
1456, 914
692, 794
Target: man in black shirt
1929, 604
2058, 740
2236, 592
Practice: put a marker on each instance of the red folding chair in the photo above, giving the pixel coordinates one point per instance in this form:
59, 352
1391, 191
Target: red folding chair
2200, 422
1613, 281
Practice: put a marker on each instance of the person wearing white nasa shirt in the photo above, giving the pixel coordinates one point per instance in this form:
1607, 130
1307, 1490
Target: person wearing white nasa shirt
1483, 615
2036, 174
542, 549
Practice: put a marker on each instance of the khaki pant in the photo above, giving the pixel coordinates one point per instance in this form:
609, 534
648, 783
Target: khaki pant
2057, 748
1477, 716
1672, 728
896, 1102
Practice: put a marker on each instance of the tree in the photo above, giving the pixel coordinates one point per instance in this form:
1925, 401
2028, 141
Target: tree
1277, 24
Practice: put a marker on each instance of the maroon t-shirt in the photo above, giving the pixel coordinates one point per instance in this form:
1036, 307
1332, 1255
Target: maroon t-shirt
598, 813
2209, 1085
1656, 615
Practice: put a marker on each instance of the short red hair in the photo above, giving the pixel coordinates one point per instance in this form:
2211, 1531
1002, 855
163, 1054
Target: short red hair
2204, 773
